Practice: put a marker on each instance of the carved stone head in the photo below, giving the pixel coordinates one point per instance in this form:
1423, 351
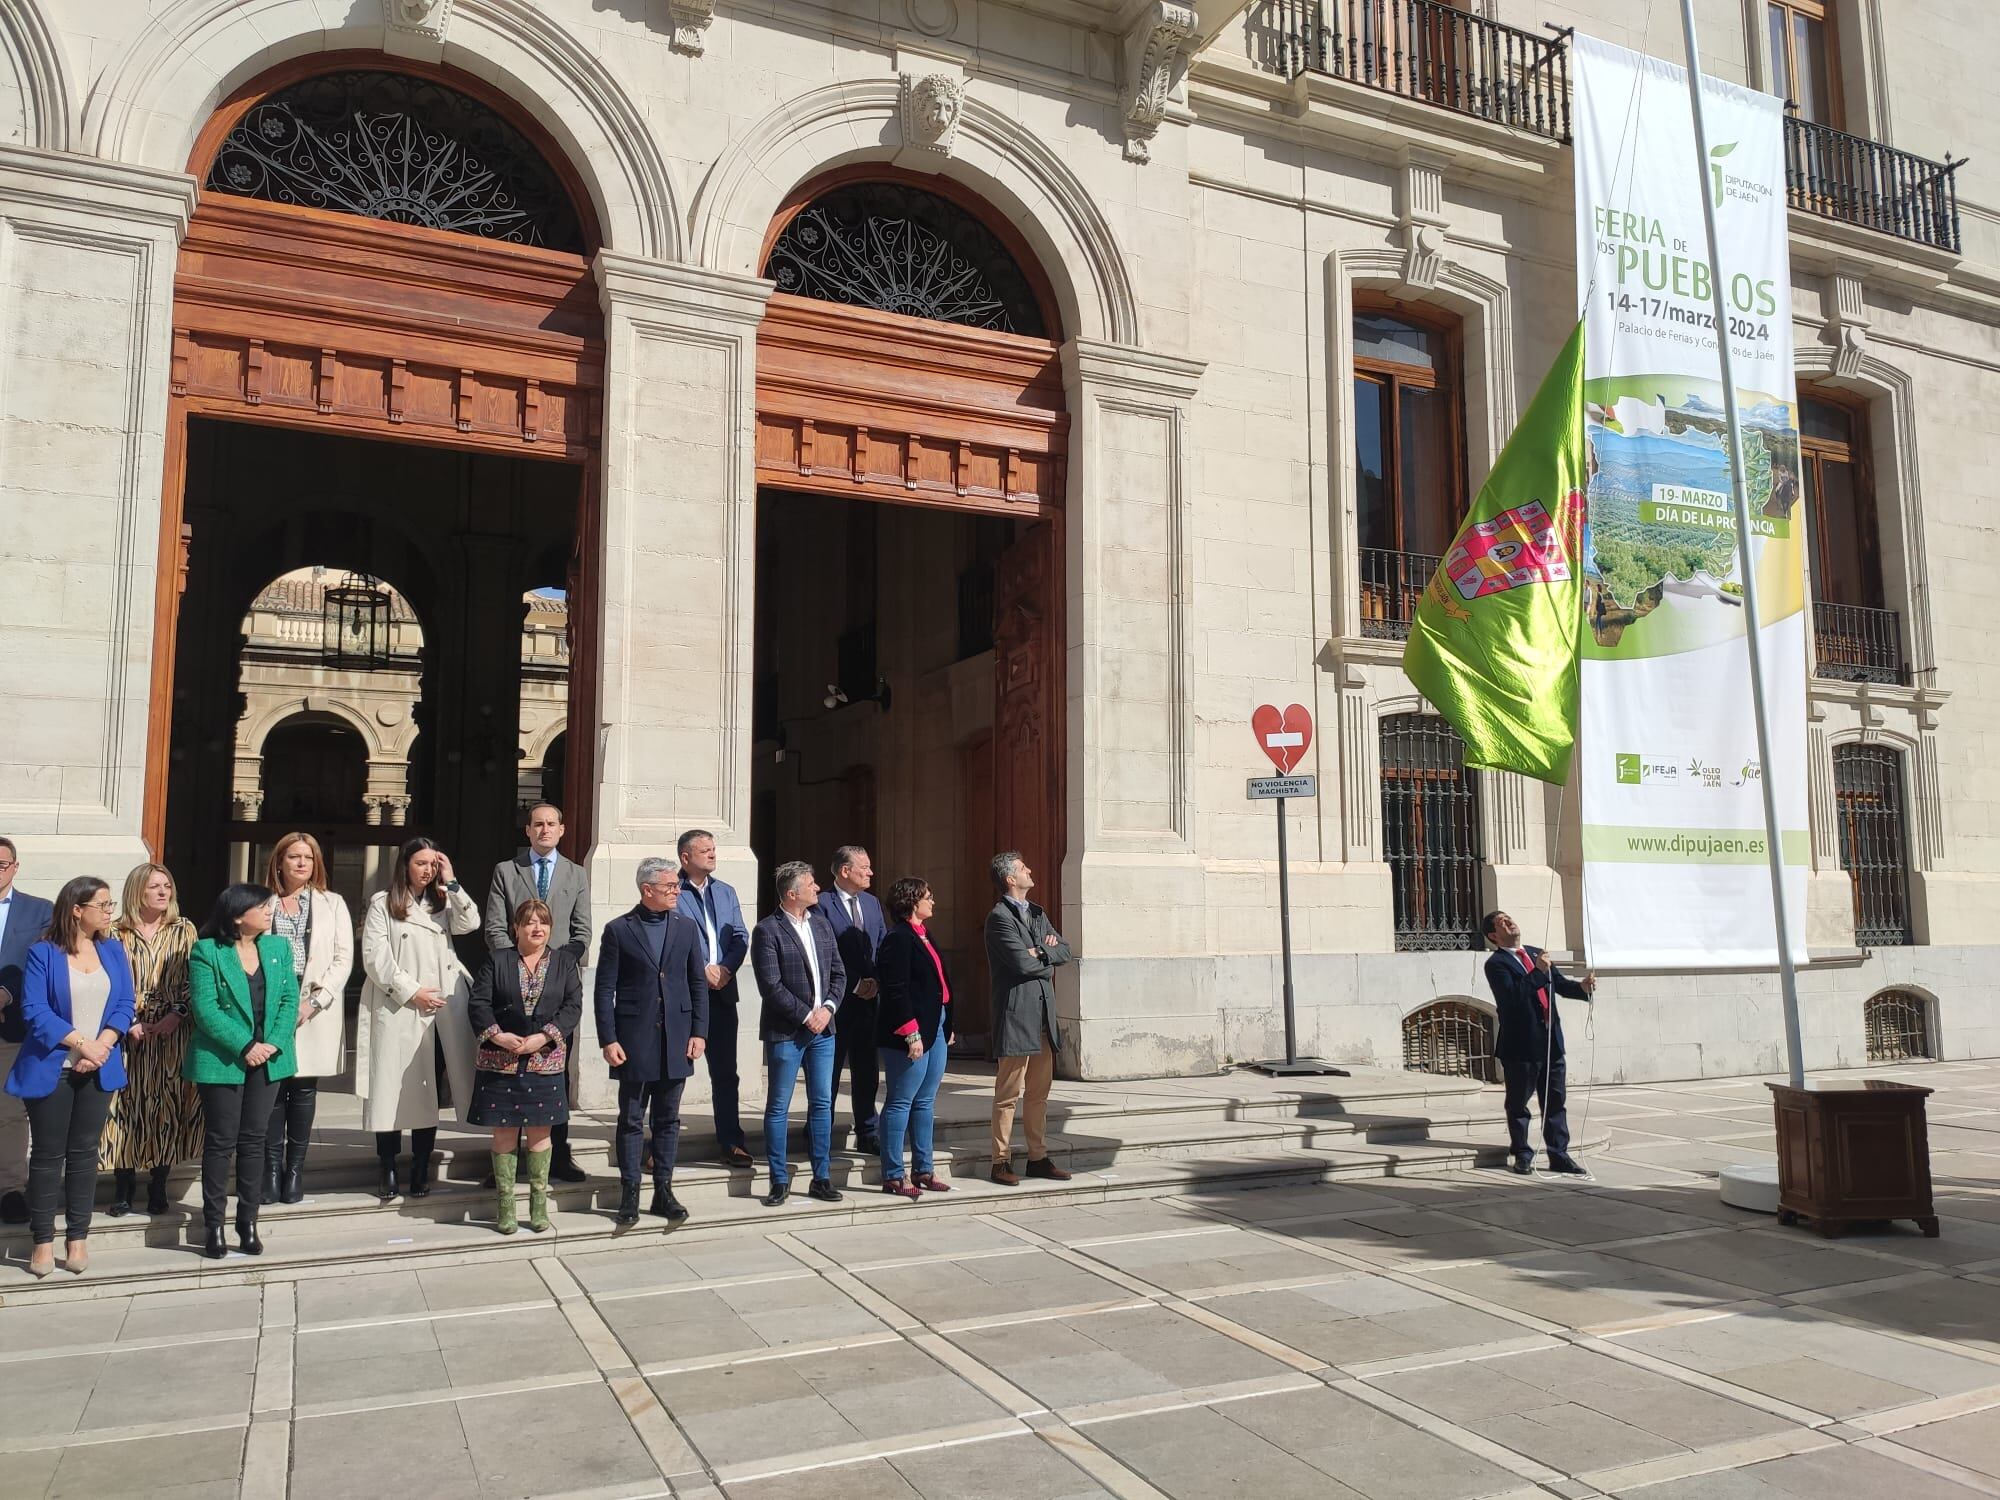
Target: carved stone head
931, 109
424, 17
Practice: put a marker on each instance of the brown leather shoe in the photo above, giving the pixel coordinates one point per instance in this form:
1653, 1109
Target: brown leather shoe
1048, 1169
1005, 1177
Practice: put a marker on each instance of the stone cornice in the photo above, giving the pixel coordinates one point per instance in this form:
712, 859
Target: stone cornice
83, 186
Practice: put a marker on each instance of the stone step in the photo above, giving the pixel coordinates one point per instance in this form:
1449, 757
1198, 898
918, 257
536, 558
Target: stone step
456, 1222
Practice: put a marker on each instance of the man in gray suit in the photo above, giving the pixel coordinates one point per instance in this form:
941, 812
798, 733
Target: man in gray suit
1023, 952
539, 873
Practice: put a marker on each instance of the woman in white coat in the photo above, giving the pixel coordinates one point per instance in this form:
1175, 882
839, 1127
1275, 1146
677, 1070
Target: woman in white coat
315, 922
414, 1021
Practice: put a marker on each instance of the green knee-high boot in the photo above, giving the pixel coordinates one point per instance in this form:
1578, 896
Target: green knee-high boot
538, 1189
504, 1178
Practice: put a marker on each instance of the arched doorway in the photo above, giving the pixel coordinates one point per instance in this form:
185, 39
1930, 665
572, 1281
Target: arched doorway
388, 362
911, 459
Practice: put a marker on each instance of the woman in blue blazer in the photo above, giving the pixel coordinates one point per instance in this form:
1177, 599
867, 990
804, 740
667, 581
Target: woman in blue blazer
76, 1000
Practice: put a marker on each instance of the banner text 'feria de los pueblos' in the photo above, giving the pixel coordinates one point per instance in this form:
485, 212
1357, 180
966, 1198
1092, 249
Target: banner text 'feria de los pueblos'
1675, 864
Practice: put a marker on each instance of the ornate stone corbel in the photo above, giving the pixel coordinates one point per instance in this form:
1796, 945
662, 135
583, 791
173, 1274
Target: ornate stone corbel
931, 106
691, 18
1847, 323
424, 18
1420, 218
1155, 64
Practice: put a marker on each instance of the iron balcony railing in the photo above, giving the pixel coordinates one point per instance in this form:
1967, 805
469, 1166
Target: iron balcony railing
1433, 53
1852, 643
1857, 181
1391, 585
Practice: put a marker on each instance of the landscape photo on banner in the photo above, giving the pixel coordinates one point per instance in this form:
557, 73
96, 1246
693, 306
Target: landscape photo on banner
1675, 869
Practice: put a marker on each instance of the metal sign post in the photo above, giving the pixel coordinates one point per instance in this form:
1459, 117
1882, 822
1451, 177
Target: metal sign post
1285, 737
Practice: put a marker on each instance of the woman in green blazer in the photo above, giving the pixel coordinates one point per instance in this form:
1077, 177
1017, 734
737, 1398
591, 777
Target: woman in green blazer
241, 991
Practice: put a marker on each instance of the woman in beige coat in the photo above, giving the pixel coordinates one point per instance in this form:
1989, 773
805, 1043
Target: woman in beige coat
314, 921
414, 1024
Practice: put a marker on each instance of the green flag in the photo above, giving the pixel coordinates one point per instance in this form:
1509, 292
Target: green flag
1496, 638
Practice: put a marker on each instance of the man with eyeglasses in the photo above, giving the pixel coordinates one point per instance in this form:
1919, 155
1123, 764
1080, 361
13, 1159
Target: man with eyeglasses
23, 920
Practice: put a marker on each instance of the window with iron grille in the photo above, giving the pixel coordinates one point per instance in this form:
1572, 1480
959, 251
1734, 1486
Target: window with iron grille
1430, 834
1868, 802
1450, 1037
1898, 1023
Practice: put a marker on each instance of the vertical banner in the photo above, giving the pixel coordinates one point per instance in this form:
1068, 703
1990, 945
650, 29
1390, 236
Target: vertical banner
1675, 870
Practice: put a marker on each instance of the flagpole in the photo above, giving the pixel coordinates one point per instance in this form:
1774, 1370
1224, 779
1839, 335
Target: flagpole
1788, 980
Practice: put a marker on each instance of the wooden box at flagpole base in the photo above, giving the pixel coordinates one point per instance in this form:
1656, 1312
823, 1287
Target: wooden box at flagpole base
1853, 1155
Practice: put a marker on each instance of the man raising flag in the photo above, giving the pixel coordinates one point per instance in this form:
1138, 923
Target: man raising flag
1495, 642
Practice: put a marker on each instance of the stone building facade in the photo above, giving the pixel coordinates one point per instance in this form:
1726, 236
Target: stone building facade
1249, 227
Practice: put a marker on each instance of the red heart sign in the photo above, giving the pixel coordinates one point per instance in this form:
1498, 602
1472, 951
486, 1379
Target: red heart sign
1285, 737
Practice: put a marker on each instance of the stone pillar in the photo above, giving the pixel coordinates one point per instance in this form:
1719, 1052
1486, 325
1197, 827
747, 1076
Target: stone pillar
1132, 883
676, 576
86, 299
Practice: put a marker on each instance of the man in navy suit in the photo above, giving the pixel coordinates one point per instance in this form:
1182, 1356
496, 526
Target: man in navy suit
1530, 1045
799, 973
652, 1022
856, 919
23, 920
712, 906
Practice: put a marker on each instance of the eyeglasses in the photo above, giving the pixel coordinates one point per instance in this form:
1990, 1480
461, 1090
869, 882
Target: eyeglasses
106, 905
8, 864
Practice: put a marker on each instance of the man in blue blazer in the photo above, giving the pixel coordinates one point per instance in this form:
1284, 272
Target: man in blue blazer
799, 974
1530, 1044
712, 906
23, 920
858, 927
652, 1022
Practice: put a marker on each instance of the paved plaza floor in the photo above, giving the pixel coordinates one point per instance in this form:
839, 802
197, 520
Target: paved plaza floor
1443, 1337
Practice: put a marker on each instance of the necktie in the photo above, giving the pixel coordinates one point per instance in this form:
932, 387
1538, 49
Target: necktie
854, 910
1541, 991
542, 878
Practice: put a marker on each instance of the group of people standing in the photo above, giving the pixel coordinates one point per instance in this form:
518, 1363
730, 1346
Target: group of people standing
132, 1042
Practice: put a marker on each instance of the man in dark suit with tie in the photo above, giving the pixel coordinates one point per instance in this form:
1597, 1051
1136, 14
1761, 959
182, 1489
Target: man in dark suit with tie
712, 906
1530, 1045
799, 974
540, 873
858, 927
1023, 952
652, 1022
23, 920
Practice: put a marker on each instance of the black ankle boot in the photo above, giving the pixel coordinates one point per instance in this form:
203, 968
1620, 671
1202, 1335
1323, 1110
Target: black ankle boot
387, 1189
292, 1187
122, 1182
246, 1232
420, 1175
156, 1191
272, 1164
217, 1246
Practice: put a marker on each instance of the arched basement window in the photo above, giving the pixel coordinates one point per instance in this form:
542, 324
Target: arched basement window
400, 148
900, 249
1451, 1038
1898, 1024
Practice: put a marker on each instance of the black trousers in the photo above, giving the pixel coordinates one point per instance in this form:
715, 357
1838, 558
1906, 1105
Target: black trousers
1547, 1086
723, 1080
234, 1118
422, 1142
855, 1051
64, 1127
293, 1105
637, 1101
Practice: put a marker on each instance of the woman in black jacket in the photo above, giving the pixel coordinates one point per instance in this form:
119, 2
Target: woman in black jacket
913, 1032
525, 1006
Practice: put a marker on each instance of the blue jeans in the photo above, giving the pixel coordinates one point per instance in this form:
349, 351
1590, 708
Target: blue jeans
783, 1059
912, 1104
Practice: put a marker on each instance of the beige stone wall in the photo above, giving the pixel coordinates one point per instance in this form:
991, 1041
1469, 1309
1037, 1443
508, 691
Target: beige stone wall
1205, 294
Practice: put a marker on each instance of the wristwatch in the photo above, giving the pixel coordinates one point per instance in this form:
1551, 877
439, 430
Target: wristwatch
452, 886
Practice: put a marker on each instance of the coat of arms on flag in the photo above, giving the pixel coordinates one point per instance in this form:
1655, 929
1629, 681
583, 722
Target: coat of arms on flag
1517, 547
